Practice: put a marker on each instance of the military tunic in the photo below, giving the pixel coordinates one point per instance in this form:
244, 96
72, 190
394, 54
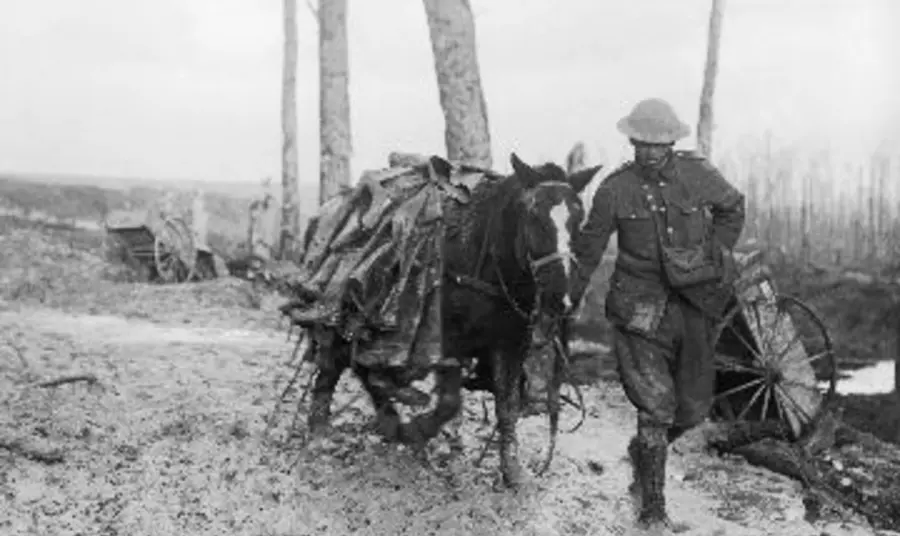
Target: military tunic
662, 336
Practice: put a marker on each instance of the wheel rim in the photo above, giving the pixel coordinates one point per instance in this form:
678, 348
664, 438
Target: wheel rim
174, 252
785, 350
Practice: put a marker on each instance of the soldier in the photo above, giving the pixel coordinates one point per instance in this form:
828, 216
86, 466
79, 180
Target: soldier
677, 220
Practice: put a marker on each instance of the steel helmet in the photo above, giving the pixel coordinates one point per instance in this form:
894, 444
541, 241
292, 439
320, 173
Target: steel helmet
653, 121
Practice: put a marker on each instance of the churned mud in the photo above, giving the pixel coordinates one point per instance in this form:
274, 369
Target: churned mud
169, 440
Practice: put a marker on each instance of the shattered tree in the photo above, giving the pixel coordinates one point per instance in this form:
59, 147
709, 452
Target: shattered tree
334, 99
705, 122
290, 200
466, 131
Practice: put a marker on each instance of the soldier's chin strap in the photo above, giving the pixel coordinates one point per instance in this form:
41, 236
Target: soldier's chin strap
670, 154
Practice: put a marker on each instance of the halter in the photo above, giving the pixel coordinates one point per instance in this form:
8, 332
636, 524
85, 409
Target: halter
534, 266
547, 259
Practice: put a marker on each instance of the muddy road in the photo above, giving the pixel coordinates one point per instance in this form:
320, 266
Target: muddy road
170, 441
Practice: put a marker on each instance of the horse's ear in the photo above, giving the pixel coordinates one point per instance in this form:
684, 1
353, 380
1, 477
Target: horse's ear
580, 179
442, 167
523, 171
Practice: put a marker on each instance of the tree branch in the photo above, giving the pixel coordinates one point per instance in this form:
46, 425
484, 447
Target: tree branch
90, 379
18, 446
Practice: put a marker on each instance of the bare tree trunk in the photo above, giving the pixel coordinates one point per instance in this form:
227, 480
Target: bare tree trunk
466, 132
705, 123
334, 99
290, 200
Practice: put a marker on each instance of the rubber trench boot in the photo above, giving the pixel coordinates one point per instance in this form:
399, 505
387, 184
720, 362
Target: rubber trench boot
634, 488
319, 417
653, 516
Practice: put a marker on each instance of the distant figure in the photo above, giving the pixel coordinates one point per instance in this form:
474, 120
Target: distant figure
677, 221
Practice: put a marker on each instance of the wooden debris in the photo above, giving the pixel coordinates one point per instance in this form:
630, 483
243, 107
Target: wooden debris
21, 447
90, 379
856, 471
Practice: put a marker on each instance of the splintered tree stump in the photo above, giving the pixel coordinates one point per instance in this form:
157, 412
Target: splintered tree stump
847, 467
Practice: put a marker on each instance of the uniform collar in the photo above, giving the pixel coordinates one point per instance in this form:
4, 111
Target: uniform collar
667, 173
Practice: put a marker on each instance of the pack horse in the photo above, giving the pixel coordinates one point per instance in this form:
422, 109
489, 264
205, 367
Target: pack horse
436, 274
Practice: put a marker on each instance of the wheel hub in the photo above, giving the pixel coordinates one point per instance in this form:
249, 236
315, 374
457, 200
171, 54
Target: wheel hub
773, 376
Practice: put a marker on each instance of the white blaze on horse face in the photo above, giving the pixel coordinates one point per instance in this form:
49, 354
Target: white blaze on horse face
559, 215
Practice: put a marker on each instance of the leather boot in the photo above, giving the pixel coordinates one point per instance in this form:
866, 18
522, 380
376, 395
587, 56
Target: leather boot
634, 488
319, 413
652, 470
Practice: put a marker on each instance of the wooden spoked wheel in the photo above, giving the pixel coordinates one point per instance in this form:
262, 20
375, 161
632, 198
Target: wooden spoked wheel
174, 252
774, 361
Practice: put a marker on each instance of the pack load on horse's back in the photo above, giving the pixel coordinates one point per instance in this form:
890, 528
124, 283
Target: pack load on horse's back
436, 273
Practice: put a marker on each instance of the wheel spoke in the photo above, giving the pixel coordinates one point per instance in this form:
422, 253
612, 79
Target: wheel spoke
781, 414
795, 383
764, 346
789, 346
802, 412
766, 400
740, 388
753, 400
744, 342
810, 359
731, 366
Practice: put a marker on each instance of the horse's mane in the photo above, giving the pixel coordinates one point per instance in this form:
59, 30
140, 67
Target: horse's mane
483, 216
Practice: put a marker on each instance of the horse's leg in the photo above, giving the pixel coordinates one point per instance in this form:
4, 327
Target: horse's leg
446, 401
507, 365
387, 421
335, 358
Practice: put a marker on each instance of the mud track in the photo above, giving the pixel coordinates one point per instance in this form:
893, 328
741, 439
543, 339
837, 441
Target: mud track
170, 442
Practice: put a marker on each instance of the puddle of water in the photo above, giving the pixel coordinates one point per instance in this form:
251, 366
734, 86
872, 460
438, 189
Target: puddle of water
874, 380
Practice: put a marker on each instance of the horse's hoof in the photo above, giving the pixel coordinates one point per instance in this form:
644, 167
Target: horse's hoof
388, 427
513, 477
318, 425
661, 526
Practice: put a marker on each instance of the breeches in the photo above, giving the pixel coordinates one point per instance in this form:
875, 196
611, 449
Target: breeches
669, 376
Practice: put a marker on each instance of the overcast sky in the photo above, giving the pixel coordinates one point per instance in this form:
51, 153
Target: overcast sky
191, 88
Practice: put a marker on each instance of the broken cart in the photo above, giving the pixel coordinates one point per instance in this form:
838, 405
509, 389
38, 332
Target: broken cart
162, 249
774, 357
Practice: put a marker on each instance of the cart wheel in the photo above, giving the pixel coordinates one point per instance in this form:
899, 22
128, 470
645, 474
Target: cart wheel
774, 361
174, 252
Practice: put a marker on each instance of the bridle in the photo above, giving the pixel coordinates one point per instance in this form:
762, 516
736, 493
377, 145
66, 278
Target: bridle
533, 267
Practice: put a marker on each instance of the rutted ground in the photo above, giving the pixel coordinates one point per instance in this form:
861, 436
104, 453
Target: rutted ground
170, 442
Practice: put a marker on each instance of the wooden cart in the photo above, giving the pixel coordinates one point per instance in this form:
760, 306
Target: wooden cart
164, 251
774, 358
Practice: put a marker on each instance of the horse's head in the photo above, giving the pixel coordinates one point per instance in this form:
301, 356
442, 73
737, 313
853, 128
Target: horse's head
549, 216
